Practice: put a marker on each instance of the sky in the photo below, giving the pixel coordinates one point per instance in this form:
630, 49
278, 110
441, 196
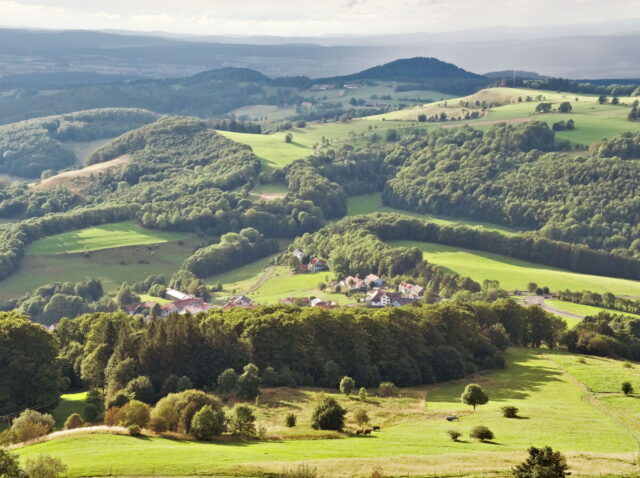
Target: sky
305, 17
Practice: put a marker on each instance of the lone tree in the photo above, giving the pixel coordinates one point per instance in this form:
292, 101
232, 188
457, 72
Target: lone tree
361, 417
482, 433
328, 415
532, 286
565, 107
542, 462
347, 384
627, 388
474, 395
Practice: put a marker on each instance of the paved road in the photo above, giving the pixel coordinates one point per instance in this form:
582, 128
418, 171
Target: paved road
539, 301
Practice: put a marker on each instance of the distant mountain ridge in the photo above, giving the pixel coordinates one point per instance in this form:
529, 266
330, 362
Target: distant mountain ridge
527, 75
411, 70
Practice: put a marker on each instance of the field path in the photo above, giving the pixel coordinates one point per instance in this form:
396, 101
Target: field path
487, 122
263, 278
540, 302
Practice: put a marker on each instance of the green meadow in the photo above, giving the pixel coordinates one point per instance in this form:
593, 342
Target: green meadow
275, 153
112, 266
557, 408
370, 203
583, 310
69, 403
515, 274
106, 236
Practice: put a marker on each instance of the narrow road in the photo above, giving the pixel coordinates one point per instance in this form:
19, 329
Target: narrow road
539, 301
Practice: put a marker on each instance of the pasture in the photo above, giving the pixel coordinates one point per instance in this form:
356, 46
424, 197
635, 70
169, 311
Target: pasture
594, 122
112, 266
105, 236
583, 310
556, 409
69, 403
371, 203
275, 153
515, 274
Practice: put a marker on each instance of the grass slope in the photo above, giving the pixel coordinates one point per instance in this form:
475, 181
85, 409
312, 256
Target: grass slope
583, 310
369, 203
275, 153
106, 236
111, 266
69, 403
556, 407
515, 274
594, 122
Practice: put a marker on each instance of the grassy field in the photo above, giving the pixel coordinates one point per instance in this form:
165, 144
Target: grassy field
583, 310
275, 153
69, 403
515, 274
111, 266
369, 203
266, 284
594, 122
106, 236
556, 407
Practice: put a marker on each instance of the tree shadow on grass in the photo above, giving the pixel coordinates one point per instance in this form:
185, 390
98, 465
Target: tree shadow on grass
517, 382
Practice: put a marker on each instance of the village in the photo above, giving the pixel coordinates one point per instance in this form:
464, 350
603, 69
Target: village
371, 291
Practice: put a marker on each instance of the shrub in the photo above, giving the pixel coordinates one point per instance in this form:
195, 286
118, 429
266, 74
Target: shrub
347, 384
361, 417
134, 430
474, 395
362, 394
387, 389
119, 400
542, 462
242, 422
141, 389
44, 466
207, 423
302, 471
627, 365
248, 385
328, 415
481, 433
509, 412
112, 416
454, 435
7, 437
582, 360
94, 408
291, 420
73, 421
227, 381
134, 413
627, 388
184, 383
31, 424
9, 465
175, 411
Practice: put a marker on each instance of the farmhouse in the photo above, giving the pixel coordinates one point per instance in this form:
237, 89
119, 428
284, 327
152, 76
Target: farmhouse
299, 301
239, 301
317, 265
411, 290
173, 294
382, 298
353, 284
377, 281
188, 304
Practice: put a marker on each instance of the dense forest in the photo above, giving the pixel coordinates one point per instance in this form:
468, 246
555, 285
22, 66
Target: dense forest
30, 147
505, 176
299, 346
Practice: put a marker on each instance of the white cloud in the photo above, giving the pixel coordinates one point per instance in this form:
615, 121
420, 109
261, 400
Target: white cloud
303, 17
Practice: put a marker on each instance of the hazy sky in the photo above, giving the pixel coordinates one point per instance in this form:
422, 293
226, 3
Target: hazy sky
305, 17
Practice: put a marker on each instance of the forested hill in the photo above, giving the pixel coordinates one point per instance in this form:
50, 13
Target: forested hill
413, 69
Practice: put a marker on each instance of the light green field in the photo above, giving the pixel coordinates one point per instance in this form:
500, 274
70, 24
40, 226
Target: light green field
594, 122
69, 403
106, 236
151, 298
266, 284
370, 203
275, 153
515, 274
111, 266
261, 112
583, 310
556, 407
